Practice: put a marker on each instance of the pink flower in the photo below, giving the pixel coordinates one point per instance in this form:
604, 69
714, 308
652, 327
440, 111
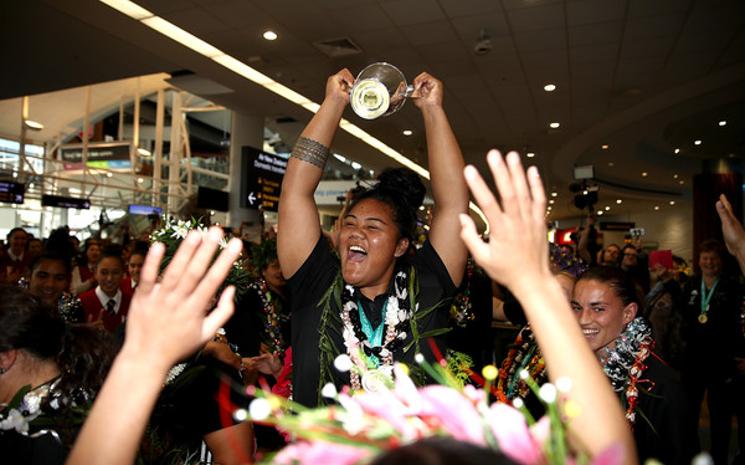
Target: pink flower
512, 434
387, 407
457, 414
321, 452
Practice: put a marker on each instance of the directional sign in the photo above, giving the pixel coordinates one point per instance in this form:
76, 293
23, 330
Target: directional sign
262, 179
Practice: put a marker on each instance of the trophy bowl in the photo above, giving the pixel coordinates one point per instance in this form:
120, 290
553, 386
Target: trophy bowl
379, 90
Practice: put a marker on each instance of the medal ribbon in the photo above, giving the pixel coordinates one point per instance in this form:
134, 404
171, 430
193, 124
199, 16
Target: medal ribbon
706, 296
374, 336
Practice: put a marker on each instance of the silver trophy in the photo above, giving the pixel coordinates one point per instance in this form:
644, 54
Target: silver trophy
379, 90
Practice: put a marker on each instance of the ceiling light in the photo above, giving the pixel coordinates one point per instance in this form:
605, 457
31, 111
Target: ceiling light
604, 146
356, 165
554, 125
552, 201
656, 207
644, 174
554, 194
270, 35
340, 158
672, 202
34, 125
549, 87
130, 9
697, 142
584, 192
601, 212
619, 201
723, 123
140, 180
675, 176
530, 154
181, 36
143, 152
677, 151
607, 208
610, 163
108, 175
681, 182
408, 132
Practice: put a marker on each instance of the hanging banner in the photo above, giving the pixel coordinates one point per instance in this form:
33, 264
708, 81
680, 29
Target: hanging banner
102, 155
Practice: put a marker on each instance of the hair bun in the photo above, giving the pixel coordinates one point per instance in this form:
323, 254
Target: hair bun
405, 183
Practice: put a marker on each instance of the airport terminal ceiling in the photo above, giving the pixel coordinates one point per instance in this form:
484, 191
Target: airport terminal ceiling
675, 65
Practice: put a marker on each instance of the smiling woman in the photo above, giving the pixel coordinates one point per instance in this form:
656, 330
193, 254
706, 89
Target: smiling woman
369, 300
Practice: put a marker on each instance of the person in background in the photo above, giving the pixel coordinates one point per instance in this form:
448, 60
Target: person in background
609, 256
14, 264
134, 265
83, 275
107, 303
712, 359
49, 374
634, 262
49, 282
35, 248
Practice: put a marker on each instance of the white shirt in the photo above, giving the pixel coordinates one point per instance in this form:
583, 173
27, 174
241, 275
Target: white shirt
104, 299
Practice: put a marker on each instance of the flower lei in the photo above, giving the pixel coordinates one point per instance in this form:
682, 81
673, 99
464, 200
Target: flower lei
624, 363
461, 310
523, 354
174, 231
274, 318
396, 320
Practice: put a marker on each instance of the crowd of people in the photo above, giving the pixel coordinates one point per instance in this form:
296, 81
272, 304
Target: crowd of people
148, 353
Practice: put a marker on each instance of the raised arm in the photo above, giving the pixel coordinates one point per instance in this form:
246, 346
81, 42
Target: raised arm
732, 230
518, 235
299, 225
448, 189
167, 322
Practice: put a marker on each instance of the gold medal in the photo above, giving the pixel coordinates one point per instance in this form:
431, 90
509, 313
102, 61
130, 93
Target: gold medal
702, 318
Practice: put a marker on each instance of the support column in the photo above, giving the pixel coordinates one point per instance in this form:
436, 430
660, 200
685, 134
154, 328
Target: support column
245, 130
718, 176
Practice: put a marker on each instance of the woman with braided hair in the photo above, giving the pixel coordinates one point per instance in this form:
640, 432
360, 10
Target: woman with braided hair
373, 302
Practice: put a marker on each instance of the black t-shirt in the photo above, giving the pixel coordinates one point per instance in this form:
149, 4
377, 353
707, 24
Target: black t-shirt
309, 284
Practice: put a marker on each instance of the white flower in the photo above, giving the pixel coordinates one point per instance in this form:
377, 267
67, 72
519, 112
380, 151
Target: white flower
518, 402
329, 391
419, 358
375, 381
240, 414
343, 363
32, 402
402, 316
548, 393
15, 420
260, 409
524, 374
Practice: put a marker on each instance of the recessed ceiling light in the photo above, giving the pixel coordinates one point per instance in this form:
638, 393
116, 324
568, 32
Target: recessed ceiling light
584, 192
697, 142
554, 125
610, 163
619, 201
34, 125
681, 182
530, 154
600, 212
675, 176
644, 174
656, 207
723, 123
607, 208
356, 165
552, 201
677, 151
672, 202
140, 180
549, 87
408, 132
554, 194
270, 35
604, 146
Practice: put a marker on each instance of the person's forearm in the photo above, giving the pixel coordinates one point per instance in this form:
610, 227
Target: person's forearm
113, 430
601, 423
445, 159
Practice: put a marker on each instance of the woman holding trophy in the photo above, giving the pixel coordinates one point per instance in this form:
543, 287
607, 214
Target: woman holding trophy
371, 303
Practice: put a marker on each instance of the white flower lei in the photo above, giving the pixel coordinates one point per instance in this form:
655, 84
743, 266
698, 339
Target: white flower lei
396, 316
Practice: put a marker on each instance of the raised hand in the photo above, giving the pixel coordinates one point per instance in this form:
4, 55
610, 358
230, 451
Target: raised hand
339, 85
427, 91
734, 234
517, 233
168, 320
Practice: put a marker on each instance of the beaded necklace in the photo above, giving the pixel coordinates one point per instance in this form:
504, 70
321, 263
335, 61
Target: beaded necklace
273, 318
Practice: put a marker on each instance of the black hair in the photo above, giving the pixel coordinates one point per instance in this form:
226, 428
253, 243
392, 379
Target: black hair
112, 251
618, 280
629, 246
139, 248
711, 245
82, 353
442, 451
403, 191
14, 230
52, 257
83, 259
